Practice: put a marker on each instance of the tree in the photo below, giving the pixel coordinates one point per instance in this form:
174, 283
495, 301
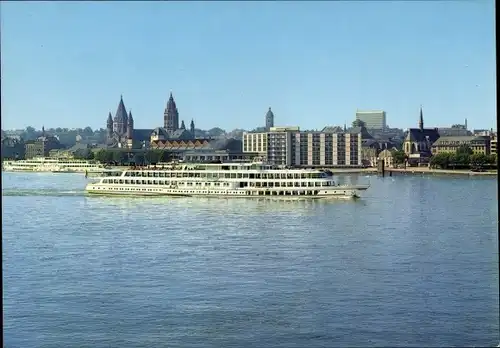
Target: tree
492, 159
88, 131
101, 156
478, 160
164, 156
458, 159
440, 160
399, 157
86, 154
358, 123
139, 158
119, 156
154, 156
464, 149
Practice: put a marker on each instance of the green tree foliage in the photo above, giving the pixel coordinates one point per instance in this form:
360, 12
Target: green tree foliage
84, 154
479, 160
156, 156
139, 158
358, 123
119, 156
399, 157
100, 156
493, 159
464, 149
441, 160
462, 159
123, 157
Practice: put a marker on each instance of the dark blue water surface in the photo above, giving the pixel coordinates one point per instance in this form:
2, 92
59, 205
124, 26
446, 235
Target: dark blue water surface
414, 263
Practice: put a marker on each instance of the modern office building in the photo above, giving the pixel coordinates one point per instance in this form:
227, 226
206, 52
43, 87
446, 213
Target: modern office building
288, 146
373, 119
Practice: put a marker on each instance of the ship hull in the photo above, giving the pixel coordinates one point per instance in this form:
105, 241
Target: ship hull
347, 191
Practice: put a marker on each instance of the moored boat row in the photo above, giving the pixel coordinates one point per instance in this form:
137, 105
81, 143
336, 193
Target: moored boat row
54, 165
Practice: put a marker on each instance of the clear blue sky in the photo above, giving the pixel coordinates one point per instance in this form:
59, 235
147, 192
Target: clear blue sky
314, 63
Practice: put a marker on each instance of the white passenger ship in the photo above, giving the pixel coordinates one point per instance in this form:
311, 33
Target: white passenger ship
246, 180
55, 165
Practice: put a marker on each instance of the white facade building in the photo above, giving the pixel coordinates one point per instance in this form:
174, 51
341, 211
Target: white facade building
289, 146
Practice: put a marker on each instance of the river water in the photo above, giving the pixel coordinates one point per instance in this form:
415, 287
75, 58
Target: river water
413, 263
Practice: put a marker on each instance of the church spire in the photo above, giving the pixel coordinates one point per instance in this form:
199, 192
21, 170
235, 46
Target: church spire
421, 120
183, 126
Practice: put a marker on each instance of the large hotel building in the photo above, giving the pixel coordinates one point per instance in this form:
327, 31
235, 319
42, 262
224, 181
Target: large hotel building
288, 146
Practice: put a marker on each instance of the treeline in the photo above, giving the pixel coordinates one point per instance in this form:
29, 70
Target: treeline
124, 157
449, 160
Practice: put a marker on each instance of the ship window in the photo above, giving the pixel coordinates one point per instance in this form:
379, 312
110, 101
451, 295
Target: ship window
155, 182
317, 184
149, 182
121, 181
127, 182
240, 175
245, 175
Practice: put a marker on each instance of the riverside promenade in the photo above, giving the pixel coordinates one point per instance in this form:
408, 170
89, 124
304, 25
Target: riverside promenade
417, 170
388, 171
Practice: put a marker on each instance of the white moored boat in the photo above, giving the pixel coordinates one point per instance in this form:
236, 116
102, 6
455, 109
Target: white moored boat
246, 180
54, 165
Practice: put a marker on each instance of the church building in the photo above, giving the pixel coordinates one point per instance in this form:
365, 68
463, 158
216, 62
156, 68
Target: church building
121, 132
418, 141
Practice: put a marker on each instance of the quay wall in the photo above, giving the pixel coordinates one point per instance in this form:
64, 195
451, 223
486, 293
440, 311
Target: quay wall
407, 171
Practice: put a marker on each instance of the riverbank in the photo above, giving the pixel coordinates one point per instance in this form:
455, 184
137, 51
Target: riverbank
425, 170
388, 171
414, 170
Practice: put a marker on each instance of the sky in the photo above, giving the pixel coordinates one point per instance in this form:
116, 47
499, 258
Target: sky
65, 64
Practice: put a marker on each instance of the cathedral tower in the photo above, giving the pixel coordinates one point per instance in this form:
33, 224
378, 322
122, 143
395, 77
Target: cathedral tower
171, 116
130, 130
130, 126
109, 126
121, 119
191, 128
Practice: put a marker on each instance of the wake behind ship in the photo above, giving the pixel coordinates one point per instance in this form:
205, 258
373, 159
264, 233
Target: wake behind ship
245, 180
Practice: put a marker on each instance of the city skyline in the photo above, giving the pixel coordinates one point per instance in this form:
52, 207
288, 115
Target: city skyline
59, 71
